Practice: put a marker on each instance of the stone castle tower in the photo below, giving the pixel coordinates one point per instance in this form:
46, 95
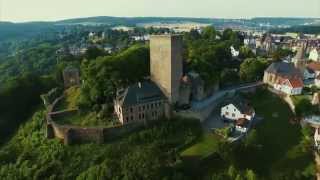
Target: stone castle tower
166, 64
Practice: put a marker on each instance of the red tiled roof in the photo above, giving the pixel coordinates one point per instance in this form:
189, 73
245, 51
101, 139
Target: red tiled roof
296, 82
315, 66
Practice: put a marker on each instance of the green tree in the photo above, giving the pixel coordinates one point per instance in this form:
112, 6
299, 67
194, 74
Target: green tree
304, 107
250, 175
252, 69
209, 33
245, 52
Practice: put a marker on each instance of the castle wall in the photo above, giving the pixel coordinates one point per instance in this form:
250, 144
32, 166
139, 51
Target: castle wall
70, 134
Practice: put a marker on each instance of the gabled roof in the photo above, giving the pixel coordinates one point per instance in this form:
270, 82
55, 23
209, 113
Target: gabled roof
241, 104
283, 69
139, 93
293, 82
296, 82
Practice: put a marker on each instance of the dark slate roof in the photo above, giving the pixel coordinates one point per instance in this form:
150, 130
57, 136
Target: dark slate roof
138, 94
283, 69
241, 104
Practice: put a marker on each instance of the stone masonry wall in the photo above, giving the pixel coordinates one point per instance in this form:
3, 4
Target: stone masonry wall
70, 134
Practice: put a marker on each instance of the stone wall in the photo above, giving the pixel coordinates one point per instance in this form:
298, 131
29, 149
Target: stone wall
70, 134
166, 64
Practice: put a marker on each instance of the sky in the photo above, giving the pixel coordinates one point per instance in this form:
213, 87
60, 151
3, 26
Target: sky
51, 10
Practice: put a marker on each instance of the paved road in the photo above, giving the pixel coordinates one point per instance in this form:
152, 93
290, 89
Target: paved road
199, 105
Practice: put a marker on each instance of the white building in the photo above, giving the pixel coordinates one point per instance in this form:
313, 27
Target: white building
291, 86
239, 112
314, 55
234, 52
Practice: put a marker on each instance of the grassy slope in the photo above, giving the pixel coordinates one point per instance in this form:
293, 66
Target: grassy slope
29, 155
278, 140
70, 101
206, 145
277, 149
84, 119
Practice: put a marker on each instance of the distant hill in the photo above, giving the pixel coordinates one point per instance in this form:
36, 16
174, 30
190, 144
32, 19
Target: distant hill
10, 30
133, 21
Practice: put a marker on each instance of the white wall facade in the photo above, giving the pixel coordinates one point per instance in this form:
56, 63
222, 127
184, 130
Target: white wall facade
232, 113
288, 89
314, 55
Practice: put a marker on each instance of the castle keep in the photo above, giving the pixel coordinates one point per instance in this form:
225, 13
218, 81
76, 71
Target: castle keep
166, 64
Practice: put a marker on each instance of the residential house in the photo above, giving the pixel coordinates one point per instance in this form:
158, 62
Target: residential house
314, 55
240, 112
290, 86
315, 67
309, 73
234, 52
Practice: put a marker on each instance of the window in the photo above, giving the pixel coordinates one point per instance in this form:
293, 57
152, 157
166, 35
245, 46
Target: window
144, 107
142, 116
234, 110
227, 113
131, 118
127, 119
131, 110
151, 106
233, 115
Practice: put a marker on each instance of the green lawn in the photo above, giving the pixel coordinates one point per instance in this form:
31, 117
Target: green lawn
277, 139
206, 145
